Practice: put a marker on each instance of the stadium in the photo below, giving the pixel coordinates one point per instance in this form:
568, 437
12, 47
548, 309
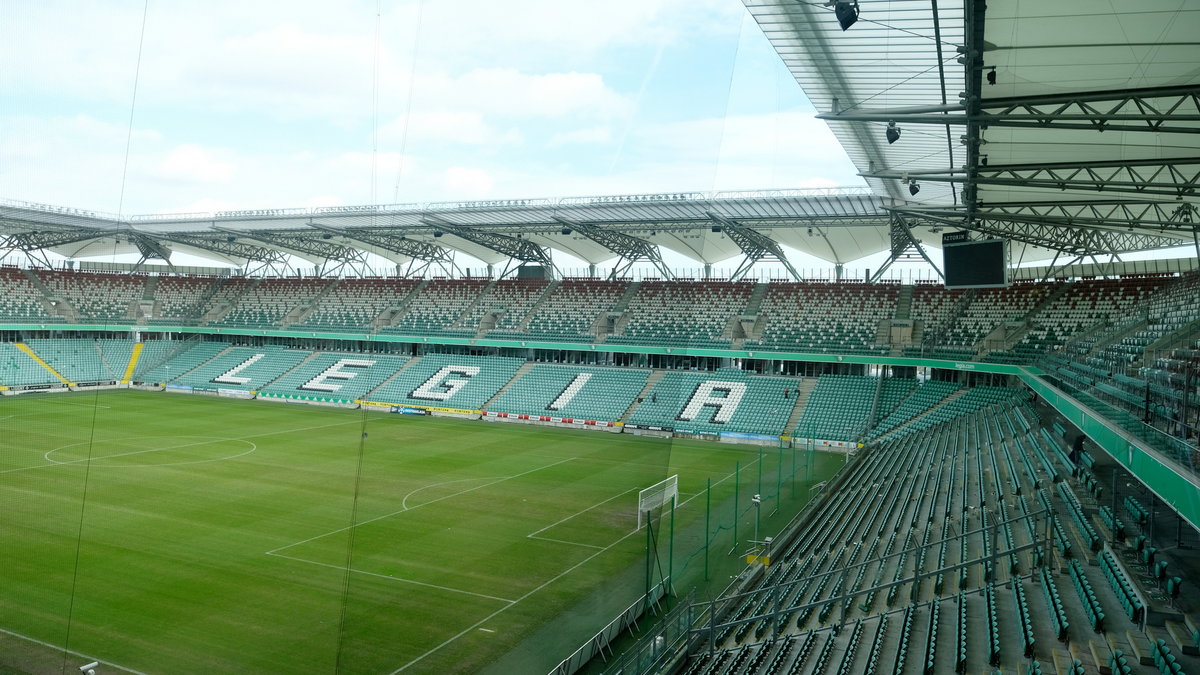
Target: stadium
555, 435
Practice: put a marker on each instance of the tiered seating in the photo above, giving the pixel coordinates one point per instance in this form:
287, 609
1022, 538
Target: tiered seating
837, 409
892, 391
267, 304
572, 307
683, 313
227, 292
602, 394
95, 296
154, 354
510, 299
991, 307
449, 381
354, 303
18, 368
826, 317
1087, 597
974, 399
335, 375
696, 402
933, 306
1121, 585
20, 301
1083, 305
178, 299
80, 360
184, 361
437, 306
1167, 311
922, 398
245, 368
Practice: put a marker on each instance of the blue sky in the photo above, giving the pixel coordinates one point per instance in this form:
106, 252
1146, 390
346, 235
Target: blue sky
267, 104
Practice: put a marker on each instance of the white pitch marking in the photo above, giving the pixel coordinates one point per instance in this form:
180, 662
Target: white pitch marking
563, 520
553, 579
392, 578
105, 662
487, 630
563, 541
432, 501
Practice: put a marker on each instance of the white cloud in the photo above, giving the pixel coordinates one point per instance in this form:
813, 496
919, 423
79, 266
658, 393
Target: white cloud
466, 127
467, 182
193, 163
589, 135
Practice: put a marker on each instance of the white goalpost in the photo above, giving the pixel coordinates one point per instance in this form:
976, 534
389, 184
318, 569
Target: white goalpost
655, 497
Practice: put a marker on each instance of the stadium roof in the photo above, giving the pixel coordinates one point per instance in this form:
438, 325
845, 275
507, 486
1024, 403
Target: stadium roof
1064, 125
1070, 131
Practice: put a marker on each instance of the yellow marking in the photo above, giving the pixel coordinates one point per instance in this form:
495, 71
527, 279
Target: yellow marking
133, 359
25, 348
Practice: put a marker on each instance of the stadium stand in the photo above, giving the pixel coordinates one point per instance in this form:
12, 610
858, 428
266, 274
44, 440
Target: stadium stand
436, 306
179, 299
95, 296
921, 399
449, 381
838, 409
154, 354
353, 304
183, 361
683, 313
84, 360
602, 394
272, 302
335, 375
570, 310
710, 403
18, 368
245, 368
837, 317
21, 301
503, 305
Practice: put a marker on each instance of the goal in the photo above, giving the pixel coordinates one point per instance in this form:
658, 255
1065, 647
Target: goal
653, 498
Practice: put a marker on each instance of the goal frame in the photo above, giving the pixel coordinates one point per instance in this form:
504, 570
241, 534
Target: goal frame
656, 496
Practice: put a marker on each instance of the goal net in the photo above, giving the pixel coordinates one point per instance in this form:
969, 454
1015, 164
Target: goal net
654, 498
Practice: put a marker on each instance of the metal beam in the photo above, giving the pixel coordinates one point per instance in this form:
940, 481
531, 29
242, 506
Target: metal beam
1155, 109
905, 247
1157, 217
1071, 239
514, 248
396, 242
229, 246
1177, 177
755, 245
629, 249
335, 257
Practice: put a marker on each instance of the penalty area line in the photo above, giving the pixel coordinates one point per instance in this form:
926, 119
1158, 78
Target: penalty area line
72, 652
394, 578
549, 581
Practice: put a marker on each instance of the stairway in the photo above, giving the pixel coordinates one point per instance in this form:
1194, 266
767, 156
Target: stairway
391, 316
406, 366
953, 396
904, 302
550, 287
807, 385
656, 375
525, 368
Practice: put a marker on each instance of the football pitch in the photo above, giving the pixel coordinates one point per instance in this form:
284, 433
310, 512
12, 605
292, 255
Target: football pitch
164, 533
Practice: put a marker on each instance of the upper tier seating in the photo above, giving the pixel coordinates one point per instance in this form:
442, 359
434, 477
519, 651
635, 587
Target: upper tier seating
437, 306
95, 296
20, 300
245, 368
178, 299
449, 381
1168, 310
991, 307
683, 313
572, 307
183, 361
825, 317
509, 299
334, 375
838, 408
934, 306
602, 394
353, 304
695, 402
268, 303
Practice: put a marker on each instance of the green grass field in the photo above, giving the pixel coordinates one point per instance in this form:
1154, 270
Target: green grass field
168, 533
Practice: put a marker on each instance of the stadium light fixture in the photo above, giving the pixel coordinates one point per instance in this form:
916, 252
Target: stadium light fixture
566, 230
846, 13
893, 132
716, 228
991, 75
437, 233
913, 188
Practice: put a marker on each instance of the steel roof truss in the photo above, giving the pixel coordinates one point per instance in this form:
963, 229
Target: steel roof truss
755, 245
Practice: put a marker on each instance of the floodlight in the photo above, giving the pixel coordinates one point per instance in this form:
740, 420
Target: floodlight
437, 233
327, 236
846, 12
991, 76
716, 228
913, 188
893, 132
566, 230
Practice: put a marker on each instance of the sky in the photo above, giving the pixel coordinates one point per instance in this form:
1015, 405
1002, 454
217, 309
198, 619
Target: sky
267, 104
